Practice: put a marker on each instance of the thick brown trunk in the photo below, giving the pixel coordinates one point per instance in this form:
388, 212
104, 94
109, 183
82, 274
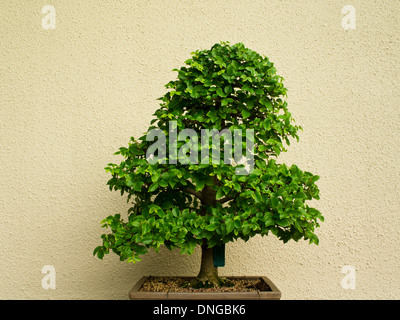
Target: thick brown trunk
207, 270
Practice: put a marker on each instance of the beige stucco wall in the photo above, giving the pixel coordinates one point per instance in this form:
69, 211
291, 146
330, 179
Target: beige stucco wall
71, 96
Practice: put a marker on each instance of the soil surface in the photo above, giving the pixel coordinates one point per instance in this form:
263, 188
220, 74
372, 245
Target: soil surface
177, 284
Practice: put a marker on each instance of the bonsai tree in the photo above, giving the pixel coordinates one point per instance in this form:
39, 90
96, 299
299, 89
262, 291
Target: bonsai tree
183, 198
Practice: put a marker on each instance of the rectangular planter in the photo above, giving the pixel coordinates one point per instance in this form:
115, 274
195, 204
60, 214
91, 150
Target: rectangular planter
273, 294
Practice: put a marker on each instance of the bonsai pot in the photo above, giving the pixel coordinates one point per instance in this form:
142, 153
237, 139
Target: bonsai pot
267, 291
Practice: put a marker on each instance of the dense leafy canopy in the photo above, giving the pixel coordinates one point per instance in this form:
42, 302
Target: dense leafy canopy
181, 205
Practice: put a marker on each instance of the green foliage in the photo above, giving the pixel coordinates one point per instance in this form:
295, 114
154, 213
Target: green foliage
180, 205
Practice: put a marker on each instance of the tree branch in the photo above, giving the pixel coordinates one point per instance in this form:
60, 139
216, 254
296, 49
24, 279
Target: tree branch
194, 192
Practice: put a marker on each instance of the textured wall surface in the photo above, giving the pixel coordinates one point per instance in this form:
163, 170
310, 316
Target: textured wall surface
71, 96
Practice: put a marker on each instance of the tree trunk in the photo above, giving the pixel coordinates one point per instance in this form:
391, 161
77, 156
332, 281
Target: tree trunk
207, 270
